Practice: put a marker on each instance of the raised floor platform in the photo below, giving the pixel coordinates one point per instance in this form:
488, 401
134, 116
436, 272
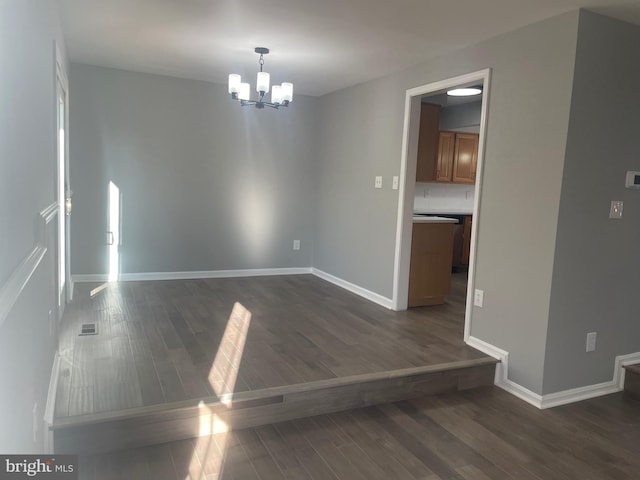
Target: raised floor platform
178, 359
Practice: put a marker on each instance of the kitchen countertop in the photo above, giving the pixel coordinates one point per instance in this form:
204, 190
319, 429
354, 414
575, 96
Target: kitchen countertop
433, 219
450, 211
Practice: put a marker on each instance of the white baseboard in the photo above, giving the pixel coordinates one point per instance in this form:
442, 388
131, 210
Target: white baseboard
134, 277
555, 399
621, 362
363, 292
502, 372
495, 352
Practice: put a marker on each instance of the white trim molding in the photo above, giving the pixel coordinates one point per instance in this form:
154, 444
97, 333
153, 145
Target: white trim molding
10, 291
616, 384
555, 399
353, 288
49, 410
142, 276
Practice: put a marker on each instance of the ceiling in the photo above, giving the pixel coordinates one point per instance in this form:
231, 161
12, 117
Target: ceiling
319, 45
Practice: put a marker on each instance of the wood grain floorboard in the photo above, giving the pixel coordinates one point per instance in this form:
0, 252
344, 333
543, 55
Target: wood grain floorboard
158, 340
476, 435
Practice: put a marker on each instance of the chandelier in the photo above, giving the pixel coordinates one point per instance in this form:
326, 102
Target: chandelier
281, 95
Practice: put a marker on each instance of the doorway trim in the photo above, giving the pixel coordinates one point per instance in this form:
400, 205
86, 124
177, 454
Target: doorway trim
63, 292
408, 183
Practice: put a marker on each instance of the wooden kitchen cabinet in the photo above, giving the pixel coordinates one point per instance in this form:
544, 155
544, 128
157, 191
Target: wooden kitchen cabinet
457, 157
428, 142
431, 260
465, 158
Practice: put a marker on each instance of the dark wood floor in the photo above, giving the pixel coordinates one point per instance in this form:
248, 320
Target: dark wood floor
481, 434
168, 341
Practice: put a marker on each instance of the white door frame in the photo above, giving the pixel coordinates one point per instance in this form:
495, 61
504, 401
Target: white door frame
407, 186
62, 253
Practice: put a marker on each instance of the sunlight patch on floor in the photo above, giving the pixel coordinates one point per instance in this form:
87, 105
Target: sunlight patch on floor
211, 445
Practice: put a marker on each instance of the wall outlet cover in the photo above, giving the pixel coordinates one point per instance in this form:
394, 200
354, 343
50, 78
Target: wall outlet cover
616, 209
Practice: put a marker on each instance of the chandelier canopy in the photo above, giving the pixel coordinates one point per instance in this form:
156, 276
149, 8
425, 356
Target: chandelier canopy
281, 95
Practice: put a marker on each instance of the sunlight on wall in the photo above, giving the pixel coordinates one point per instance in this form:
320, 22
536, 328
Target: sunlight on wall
256, 220
114, 232
208, 457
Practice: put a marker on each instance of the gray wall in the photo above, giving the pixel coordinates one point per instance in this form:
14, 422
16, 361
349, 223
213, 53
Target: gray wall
205, 184
27, 158
595, 277
463, 118
360, 137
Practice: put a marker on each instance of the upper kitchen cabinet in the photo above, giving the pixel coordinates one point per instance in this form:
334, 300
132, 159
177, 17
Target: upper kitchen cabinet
465, 158
457, 157
428, 142
448, 140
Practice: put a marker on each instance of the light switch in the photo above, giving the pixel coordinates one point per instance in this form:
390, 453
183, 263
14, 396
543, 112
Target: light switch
395, 182
616, 209
378, 182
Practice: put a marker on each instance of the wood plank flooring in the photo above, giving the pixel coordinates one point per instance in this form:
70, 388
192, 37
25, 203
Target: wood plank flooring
480, 434
169, 341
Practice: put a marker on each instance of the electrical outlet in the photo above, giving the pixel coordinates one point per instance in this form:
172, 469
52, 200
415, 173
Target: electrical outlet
616, 209
478, 298
395, 182
591, 341
378, 182
296, 244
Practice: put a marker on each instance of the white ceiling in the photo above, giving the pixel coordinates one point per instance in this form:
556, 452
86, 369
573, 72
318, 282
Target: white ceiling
319, 45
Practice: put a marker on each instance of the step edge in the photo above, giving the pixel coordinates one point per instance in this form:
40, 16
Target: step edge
266, 395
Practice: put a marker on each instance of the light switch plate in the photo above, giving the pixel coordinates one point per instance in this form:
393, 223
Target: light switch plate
616, 209
378, 182
478, 298
395, 182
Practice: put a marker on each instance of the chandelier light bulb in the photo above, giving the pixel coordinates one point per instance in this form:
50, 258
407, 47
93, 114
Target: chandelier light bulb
276, 94
287, 92
234, 83
262, 84
245, 91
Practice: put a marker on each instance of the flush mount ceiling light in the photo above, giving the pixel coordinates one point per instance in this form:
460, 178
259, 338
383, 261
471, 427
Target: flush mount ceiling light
281, 95
464, 92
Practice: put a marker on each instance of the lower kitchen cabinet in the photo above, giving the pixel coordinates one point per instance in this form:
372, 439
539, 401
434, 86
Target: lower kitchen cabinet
466, 240
431, 260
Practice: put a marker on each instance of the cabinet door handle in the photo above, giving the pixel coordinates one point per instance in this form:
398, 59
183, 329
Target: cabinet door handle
111, 238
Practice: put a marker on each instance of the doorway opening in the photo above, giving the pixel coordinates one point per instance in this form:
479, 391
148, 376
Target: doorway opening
407, 196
